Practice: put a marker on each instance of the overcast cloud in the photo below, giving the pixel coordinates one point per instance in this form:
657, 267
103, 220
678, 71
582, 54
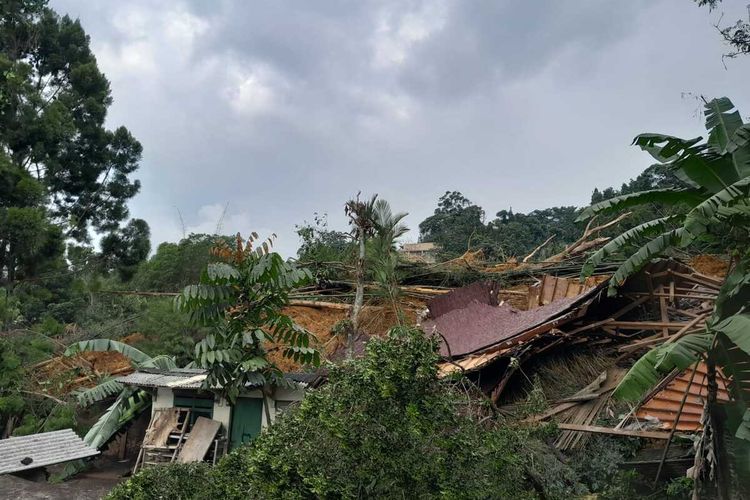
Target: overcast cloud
268, 111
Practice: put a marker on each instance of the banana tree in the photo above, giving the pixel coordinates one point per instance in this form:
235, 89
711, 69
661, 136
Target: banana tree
718, 204
718, 173
129, 402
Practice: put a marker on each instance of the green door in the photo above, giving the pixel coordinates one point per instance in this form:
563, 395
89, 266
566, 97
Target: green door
246, 420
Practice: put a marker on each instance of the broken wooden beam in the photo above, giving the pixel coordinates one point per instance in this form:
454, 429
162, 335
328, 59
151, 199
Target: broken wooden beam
614, 432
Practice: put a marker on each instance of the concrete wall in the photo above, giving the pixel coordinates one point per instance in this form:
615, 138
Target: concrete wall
223, 413
164, 398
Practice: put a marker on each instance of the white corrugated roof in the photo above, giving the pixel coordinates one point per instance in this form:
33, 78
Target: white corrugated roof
180, 378
47, 448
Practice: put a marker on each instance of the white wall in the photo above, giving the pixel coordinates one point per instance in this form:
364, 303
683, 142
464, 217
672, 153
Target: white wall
164, 398
223, 413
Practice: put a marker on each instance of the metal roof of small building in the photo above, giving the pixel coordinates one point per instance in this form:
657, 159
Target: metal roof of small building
37, 450
186, 378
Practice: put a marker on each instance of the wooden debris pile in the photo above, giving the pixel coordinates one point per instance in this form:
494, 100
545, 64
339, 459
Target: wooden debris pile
491, 342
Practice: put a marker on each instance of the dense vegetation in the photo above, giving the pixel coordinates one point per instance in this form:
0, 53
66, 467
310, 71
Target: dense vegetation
385, 426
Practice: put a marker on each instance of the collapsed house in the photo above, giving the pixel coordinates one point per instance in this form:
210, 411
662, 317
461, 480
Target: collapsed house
491, 342
189, 423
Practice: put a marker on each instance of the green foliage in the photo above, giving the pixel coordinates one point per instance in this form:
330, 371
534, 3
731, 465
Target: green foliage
52, 117
321, 248
101, 391
716, 172
173, 481
452, 225
680, 488
175, 265
126, 248
104, 345
242, 296
458, 225
22, 412
129, 402
127, 406
385, 426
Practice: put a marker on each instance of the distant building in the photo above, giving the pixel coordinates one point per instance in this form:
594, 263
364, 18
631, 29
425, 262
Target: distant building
420, 252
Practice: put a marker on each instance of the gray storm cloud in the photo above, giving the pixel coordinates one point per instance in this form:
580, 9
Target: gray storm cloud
275, 110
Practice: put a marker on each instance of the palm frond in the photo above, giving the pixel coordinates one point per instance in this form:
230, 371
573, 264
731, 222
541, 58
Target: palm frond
162, 361
643, 256
618, 203
639, 379
722, 119
634, 236
103, 390
658, 362
666, 148
702, 215
739, 148
127, 406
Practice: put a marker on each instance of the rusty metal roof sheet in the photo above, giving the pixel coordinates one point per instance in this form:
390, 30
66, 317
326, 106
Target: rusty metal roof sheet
478, 326
664, 404
37, 450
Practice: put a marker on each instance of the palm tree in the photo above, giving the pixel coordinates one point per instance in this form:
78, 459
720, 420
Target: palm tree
388, 227
718, 203
361, 218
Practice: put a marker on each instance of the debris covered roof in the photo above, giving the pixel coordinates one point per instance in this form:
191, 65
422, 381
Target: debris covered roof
472, 327
38, 450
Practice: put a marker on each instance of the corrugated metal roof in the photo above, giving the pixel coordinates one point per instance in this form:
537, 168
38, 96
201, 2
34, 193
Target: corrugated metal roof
38, 450
181, 378
187, 378
664, 404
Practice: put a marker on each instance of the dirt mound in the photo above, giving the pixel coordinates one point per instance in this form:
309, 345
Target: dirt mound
710, 265
82, 370
375, 320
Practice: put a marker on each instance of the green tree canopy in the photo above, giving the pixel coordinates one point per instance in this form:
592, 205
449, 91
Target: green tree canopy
62, 172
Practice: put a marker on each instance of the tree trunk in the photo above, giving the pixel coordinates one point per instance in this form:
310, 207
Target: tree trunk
266, 405
717, 428
359, 296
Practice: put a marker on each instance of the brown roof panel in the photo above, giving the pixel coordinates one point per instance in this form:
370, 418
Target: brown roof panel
478, 326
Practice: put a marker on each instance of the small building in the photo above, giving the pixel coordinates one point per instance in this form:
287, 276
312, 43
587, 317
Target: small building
420, 252
240, 422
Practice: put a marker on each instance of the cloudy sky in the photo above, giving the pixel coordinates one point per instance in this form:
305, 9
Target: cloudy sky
269, 111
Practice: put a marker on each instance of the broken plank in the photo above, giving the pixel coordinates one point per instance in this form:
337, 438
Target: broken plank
646, 325
614, 432
199, 441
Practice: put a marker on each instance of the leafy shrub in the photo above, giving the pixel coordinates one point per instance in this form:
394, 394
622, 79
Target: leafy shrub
384, 426
680, 488
171, 481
